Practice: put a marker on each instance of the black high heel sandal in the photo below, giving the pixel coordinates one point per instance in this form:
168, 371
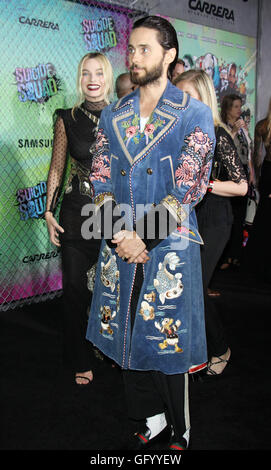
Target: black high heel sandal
212, 372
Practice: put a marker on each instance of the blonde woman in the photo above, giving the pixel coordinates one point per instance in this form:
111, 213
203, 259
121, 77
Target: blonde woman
75, 135
214, 213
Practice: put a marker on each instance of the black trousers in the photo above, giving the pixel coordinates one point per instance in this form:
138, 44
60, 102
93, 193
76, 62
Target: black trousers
215, 240
233, 249
77, 258
152, 392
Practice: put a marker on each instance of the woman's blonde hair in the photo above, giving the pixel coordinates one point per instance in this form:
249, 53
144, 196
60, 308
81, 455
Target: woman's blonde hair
205, 88
108, 76
268, 119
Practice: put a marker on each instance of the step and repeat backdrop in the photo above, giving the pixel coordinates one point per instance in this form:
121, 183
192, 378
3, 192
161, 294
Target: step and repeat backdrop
42, 42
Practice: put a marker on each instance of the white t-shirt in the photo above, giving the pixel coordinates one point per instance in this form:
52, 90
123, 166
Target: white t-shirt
143, 122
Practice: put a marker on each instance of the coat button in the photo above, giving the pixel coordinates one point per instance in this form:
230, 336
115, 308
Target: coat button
149, 171
123, 172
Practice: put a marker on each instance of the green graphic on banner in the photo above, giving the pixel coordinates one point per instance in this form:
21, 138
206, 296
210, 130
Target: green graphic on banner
229, 58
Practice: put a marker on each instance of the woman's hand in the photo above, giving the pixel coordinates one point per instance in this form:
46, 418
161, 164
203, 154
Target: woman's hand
130, 247
240, 123
53, 228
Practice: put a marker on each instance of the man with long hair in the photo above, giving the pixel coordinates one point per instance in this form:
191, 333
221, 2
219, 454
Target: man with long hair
155, 151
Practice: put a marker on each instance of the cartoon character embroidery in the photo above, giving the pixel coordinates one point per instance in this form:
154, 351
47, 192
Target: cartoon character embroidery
150, 297
107, 316
169, 330
147, 311
109, 269
168, 286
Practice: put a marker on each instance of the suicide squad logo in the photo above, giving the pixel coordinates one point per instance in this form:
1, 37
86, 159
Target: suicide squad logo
99, 35
32, 201
37, 84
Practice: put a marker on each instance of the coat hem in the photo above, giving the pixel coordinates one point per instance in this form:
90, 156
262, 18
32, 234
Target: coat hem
191, 370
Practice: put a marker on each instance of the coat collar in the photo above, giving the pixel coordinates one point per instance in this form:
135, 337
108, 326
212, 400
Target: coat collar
172, 97
126, 115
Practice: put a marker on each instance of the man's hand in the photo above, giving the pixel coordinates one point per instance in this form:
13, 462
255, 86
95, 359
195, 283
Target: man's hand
130, 247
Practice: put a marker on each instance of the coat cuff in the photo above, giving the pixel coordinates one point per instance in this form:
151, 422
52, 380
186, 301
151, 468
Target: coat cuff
102, 198
172, 204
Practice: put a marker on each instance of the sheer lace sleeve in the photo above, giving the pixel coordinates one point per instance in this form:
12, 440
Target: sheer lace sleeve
226, 153
57, 165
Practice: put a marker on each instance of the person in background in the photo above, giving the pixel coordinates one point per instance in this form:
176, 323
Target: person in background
214, 212
75, 135
258, 253
262, 146
147, 312
124, 86
178, 69
231, 109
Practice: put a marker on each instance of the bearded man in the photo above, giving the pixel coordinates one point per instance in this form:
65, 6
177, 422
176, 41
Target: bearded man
154, 150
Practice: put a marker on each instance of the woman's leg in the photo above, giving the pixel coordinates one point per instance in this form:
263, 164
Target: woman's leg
77, 258
215, 240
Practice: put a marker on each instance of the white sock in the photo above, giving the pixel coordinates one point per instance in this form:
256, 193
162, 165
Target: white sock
156, 424
186, 435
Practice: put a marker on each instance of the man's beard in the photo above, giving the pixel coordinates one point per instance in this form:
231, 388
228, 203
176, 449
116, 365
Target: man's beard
151, 76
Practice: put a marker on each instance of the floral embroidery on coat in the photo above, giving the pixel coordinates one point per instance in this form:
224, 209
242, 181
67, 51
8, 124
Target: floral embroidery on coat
101, 162
195, 163
132, 129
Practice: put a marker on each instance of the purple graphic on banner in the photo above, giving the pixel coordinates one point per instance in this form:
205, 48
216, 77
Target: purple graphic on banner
99, 35
31, 288
32, 201
38, 83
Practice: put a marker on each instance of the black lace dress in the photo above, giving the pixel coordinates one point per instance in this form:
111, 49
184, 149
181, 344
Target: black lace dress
216, 210
74, 136
215, 218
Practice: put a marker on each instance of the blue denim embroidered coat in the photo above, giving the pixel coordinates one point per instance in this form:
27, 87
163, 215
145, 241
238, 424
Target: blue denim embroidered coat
168, 163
